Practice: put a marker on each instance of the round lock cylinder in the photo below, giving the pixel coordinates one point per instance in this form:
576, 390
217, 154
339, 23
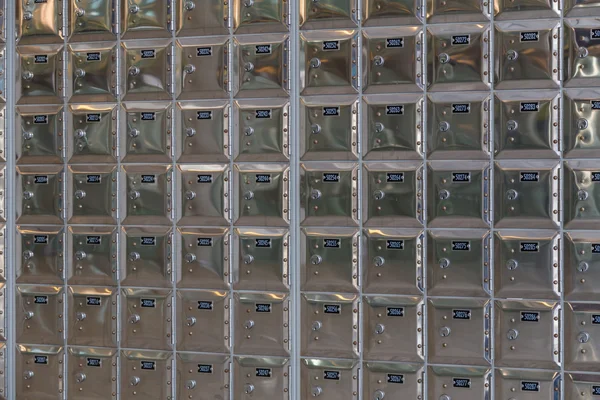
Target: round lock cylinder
512, 264
134, 9
512, 125
583, 52
134, 256
378, 395
80, 134
249, 195
80, 377
444, 263
248, 67
191, 321
444, 126
512, 334
249, 131
445, 397
134, 132
79, 12
189, 69
378, 61
378, 261
135, 381
134, 194
316, 391
134, 319
379, 329
190, 195
28, 16
27, 135
190, 384
315, 63
379, 127
248, 259
189, 5
315, 194
29, 314
582, 195
190, 257
511, 194
582, 124
315, 128
583, 266
28, 374
583, 337
79, 194
512, 55
79, 73
249, 388
378, 194
317, 325
134, 71
316, 259
27, 254
28, 75
27, 195
249, 324
444, 58
248, 3
445, 331
81, 315
80, 255
444, 194
190, 132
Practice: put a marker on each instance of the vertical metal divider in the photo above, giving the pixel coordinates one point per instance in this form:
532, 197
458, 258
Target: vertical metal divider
175, 255
295, 319
359, 194
490, 139
9, 200
120, 90
65, 191
231, 200
561, 183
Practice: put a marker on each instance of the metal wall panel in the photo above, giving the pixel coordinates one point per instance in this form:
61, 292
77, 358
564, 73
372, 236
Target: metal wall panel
275, 199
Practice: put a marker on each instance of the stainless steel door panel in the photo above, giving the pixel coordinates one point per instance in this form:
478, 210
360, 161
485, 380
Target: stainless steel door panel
527, 264
146, 68
204, 258
333, 379
393, 328
39, 314
92, 71
458, 11
261, 194
458, 263
146, 319
261, 65
393, 194
328, 128
40, 74
396, 380
92, 133
145, 374
203, 68
391, 127
392, 59
201, 17
328, 194
39, 371
458, 126
145, 132
260, 16
328, 14
145, 18
146, 257
458, 57
261, 258
581, 54
92, 316
458, 197
527, 334
202, 131
92, 255
261, 378
91, 19
41, 139
203, 321
526, 194
581, 265
92, 194
39, 22
40, 189
581, 123
527, 126
329, 325
391, 12
204, 194
329, 259
520, 9
329, 60
581, 194
262, 324
203, 377
261, 129
581, 386
581, 8
530, 385
459, 331
582, 337
92, 373
464, 383
40, 253
392, 261
527, 54
146, 195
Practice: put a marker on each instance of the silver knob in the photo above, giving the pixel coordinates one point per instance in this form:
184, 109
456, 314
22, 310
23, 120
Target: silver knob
248, 131
28, 374
317, 325
134, 132
316, 259
583, 52
315, 128
582, 124
249, 324
444, 194
190, 5
80, 133
79, 12
445, 397
512, 334
189, 69
134, 256
190, 384
378, 61
28, 75
378, 261
379, 329
134, 9
248, 3
249, 388
512, 55
27, 195
29, 314
28, 16
315, 63
512, 264
444, 58
190, 257
248, 67
379, 127
248, 259
79, 194
27, 254
81, 316
315, 194
444, 126
582, 195
134, 71
191, 321
378, 395
135, 381
27, 135
583, 266
316, 391
444, 263
511, 194
249, 195
79, 73
80, 377
134, 319
80, 255
378, 194
512, 125
190, 132
445, 331
134, 194
583, 337
190, 195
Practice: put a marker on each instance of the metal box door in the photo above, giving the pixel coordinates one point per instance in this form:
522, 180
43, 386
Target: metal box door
581, 386
464, 383
328, 14
201, 17
331, 379
147, 194
145, 18
39, 22
393, 380
580, 133
39, 314
91, 19
146, 68
527, 384
145, 132
260, 16
444, 11
581, 265
582, 337
41, 139
203, 197
41, 255
92, 72
203, 377
39, 371
92, 316
92, 194
581, 194
261, 378
145, 374
92, 255
40, 189
92, 373
146, 257
391, 12
40, 74
146, 319
92, 133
